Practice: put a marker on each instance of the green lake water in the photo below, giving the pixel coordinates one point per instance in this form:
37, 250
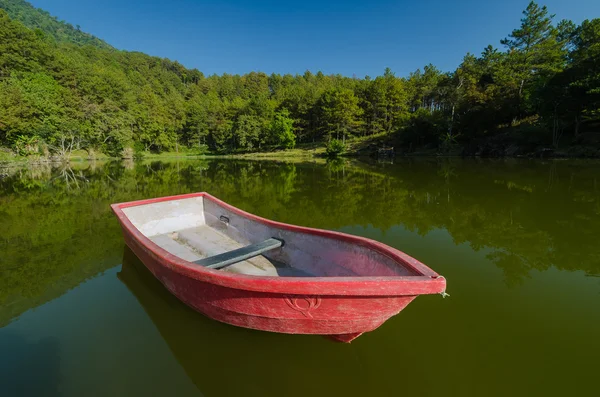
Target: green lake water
518, 241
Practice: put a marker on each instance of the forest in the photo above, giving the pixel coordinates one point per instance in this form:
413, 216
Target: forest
62, 89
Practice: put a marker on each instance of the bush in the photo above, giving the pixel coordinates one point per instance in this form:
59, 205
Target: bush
198, 150
113, 148
138, 151
335, 148
27, 145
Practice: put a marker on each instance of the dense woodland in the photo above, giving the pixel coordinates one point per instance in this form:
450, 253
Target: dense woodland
61, 89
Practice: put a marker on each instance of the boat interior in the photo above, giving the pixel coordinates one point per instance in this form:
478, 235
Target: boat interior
202, 231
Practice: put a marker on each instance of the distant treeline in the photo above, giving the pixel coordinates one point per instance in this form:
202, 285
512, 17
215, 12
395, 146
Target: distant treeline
61, 88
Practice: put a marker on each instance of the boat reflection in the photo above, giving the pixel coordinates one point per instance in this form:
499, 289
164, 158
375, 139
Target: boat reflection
224, 360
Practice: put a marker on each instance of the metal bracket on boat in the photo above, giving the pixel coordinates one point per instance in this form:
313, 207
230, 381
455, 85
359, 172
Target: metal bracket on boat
224, 219
238, 255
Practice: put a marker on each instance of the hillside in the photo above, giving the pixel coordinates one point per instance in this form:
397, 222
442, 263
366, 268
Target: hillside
540, 91
61, 31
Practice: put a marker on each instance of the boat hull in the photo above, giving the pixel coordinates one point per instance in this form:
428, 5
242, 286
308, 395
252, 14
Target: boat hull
342, 308
343, 318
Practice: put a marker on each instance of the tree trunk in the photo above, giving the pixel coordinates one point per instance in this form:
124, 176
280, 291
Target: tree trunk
521, 89
557, 131
451, 123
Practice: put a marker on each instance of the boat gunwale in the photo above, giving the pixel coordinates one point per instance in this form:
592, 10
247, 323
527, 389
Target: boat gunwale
426, 281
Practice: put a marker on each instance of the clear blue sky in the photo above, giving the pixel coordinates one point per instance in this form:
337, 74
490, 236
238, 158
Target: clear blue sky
348, 37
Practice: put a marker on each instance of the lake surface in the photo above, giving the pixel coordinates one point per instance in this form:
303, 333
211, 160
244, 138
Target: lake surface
518, 241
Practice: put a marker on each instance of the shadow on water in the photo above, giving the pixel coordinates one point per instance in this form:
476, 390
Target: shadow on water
29, 369
230, 361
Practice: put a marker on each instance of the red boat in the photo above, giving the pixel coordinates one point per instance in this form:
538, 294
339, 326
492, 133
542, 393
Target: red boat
252, 272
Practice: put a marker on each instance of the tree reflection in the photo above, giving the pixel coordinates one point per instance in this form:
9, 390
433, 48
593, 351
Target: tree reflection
57, 228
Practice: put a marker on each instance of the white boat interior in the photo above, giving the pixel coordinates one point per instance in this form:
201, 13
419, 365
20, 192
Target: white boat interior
181, 228
197, 228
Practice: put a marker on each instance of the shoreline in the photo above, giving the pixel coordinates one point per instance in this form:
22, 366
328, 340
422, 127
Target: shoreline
310, 155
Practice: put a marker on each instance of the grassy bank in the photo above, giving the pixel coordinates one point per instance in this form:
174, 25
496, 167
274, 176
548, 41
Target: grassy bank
499, 145
309, 151
306, 151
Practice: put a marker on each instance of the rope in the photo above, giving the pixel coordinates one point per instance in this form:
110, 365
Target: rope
443, 293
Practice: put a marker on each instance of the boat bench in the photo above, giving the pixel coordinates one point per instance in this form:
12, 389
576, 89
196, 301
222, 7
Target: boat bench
205, 246
201, 243
220, 261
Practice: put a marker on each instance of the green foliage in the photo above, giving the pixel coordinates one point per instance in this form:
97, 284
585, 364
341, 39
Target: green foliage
282, 130
20, 48
35, 18
27, 145
34, 104
57, 83
248, 130
335, 148
339, 113
424, 128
